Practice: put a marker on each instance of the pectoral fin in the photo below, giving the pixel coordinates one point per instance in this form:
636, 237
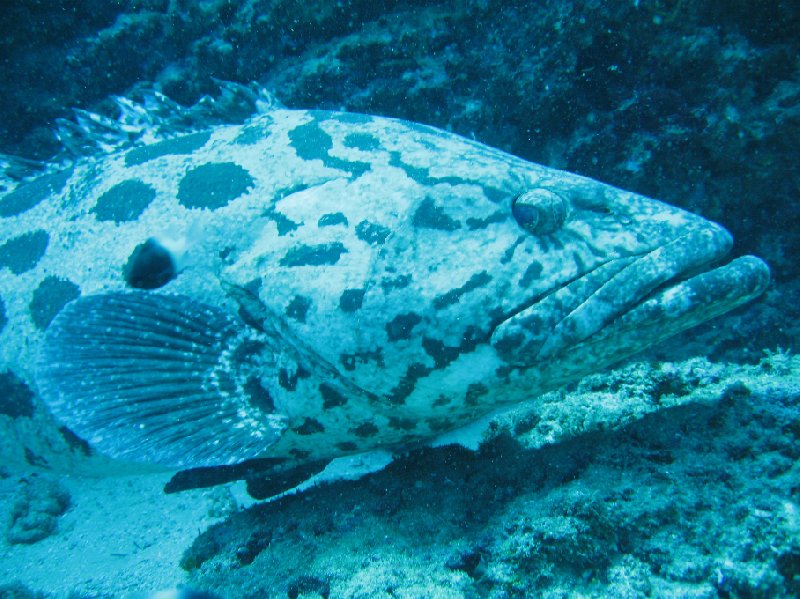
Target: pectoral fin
159, 378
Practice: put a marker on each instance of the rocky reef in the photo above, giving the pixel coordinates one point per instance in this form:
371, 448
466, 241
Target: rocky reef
671, 480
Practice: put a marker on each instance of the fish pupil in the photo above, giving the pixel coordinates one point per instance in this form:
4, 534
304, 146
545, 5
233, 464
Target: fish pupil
527, 216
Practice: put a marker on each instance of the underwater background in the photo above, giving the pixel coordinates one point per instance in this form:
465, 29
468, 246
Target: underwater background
675, 474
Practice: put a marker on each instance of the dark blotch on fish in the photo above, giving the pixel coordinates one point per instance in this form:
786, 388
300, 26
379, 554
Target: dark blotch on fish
400, 326
431, 216
402, 424
285, 225
365, 430
23, 253
349, 361
362, 141
416, 371
298, 308
310, 426
442, 354
288, 379
481, 223
351, 300
124, 202
30, 194
439, 425
16, 398
474, 392
400, 282
372, 233
258, 396
170, 147
476, 281
49, 298
312, 143
331, 397
313, 255
332, 219
213, 185
531, 273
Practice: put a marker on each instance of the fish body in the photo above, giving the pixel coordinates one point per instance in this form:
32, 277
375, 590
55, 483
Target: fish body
312, 284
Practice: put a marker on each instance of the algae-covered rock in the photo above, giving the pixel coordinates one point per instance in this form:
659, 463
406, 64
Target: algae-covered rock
651, 480
38, 504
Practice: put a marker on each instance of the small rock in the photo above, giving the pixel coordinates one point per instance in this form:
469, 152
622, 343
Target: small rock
36, 509
466, 561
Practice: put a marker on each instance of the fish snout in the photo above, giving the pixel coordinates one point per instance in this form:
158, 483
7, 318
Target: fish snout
549, 326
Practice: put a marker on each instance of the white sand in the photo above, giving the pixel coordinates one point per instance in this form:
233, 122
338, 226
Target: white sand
121, 534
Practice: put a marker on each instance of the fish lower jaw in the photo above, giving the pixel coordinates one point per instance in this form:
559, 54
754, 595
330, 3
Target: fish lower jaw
647, 297
664, 313
682, 305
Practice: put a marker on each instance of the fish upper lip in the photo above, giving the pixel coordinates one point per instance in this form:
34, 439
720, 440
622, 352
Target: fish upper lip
632, 281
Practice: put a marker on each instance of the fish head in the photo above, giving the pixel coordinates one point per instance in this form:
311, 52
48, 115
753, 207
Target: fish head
636, 271
484, 264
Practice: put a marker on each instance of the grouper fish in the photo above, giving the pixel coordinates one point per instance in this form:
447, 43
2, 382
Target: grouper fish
313, 284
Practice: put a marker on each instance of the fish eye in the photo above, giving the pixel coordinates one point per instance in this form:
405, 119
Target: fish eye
150, 266
539, 211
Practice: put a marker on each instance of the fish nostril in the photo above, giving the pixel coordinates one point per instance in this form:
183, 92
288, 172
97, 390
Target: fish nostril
539, 211
150, 266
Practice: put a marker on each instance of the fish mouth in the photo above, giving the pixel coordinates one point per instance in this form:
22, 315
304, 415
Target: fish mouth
629, 303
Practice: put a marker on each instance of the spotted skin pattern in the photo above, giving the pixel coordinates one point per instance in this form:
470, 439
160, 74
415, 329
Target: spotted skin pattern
391, 293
